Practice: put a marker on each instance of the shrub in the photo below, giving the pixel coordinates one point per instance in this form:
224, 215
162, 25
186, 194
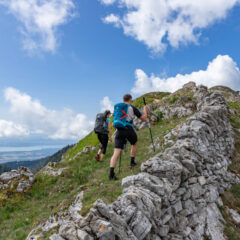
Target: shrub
173, 100
159, 115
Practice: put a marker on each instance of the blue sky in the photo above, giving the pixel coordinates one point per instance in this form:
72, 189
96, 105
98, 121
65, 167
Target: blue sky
59, 60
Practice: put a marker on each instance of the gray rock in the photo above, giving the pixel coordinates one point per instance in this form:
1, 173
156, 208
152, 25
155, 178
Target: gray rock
82, 235
214, 220
164, 230
235, 216
189, 206
196, 190
56, 237
177, 207
202, 180
189, 85
7, 176
68, 231
21, 180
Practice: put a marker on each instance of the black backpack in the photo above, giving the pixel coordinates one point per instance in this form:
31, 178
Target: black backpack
100, 123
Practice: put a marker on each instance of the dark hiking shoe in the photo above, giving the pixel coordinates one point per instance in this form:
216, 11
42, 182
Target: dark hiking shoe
97, 158
113, 178
133, 164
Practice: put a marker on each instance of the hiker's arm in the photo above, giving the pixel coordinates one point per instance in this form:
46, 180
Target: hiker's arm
145, 114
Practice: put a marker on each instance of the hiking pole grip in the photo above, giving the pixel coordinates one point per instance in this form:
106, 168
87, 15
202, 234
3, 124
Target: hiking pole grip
144, 101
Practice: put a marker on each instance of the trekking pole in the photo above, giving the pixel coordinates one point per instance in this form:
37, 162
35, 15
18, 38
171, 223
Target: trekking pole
149, 125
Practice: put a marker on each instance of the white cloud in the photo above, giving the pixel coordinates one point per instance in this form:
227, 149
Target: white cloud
158, 23
63, 124
107, 2
40, 20
112, 19
11, 129
221, 71
106, 104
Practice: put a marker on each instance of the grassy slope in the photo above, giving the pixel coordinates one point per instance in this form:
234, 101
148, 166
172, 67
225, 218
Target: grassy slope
150, 97
231, 198
20, 213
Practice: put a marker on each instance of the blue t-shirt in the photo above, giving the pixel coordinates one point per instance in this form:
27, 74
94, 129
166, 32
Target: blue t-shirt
106, 125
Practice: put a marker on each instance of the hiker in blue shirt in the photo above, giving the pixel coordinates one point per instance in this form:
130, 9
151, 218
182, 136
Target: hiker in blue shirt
124, 113
103, 129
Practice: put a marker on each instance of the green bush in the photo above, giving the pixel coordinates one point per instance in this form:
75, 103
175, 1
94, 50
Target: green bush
234, 105
173, 100
159, 115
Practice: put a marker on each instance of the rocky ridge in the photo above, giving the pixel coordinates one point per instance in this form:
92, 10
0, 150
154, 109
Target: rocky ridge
16, 181
176, 196
176, 105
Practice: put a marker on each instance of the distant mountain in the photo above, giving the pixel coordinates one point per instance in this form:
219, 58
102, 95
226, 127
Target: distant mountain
4, 168
33, 140
35, 165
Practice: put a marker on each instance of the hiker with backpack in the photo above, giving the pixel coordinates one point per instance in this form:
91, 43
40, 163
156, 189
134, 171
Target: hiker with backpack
123, 116
103, 129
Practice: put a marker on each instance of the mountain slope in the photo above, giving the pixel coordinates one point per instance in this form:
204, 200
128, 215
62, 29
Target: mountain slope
4, 168
51, 194
21, 213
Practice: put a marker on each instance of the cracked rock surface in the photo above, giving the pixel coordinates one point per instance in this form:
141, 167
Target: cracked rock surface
16, 180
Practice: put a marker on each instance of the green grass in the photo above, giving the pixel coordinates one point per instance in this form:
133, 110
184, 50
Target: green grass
173, 100
224, 88
231, 198
234, 105
231, 230
235, 122
19, 214
150, 97
90, 140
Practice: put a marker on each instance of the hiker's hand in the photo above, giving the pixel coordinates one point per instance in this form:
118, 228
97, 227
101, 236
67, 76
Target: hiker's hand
145, 108
110, 139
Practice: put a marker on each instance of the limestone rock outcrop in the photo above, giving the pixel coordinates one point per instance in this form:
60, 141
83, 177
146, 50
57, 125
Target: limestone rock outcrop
51, 170
16, 180
176, 196
64, 224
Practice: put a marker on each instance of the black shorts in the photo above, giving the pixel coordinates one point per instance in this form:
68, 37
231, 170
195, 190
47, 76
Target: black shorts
103, 138
124, 134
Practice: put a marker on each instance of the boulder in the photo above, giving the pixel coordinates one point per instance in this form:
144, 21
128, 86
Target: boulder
17, 180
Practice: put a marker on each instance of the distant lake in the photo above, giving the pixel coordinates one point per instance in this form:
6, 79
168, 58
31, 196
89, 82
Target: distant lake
12, 154
28, 149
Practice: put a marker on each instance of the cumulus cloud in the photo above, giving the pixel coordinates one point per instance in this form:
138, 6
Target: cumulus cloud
112, 19
11, 129
40, 20
107, 2
221, 71
63, 124
158, 23
106, 104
